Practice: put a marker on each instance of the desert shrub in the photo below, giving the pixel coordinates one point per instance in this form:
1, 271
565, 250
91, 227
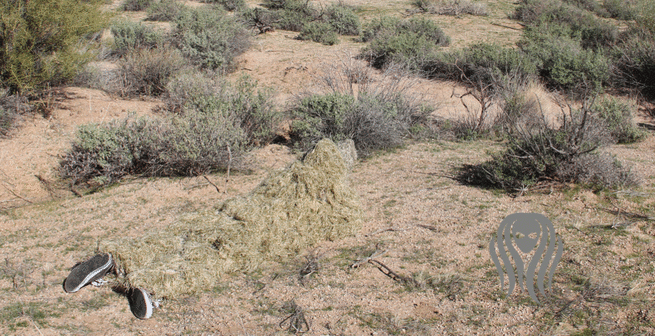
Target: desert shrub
618, 116
405, 41
136, 5
165, 10
342, 19
590, 5
451, 7
7, 121
561, 19
254, 108
212, 130
39, 41
261, 19
130, 35
373, 121
541, 152
229, 5
483, 63
292, 14
646, 17
564, 63
178, 146
620, 9
320, 32
633, 64
147, 71
210, 38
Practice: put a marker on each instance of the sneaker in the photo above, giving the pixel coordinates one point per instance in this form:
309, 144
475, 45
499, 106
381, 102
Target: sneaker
87, 272
141, 304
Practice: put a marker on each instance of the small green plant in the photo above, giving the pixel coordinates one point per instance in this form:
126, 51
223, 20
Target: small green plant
621, 9
136, 5
320, 32
165, 10
210, 38
130, 35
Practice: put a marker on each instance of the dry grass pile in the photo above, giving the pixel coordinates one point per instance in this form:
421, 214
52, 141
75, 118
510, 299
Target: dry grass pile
289, 211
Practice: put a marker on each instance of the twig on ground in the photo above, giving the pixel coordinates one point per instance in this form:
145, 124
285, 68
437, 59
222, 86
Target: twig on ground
393, 275
15, 194
375, 254
212, 183
384, 230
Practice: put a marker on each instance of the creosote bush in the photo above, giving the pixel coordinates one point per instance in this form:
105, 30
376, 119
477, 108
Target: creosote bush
229, 5
40, 41
343, 20
212, 130
210, 38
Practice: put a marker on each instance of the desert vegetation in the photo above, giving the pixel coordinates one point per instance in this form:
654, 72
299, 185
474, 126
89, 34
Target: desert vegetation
452, 133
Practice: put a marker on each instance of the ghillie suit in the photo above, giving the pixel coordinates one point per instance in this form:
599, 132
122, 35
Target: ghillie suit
293, 209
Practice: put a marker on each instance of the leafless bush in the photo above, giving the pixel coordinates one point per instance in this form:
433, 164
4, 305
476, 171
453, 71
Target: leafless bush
11, 109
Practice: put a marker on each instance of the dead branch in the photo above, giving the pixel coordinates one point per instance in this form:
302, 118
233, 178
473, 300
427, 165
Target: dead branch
297, 322
212, 183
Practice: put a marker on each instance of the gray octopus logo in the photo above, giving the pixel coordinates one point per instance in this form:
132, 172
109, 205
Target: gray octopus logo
526, 231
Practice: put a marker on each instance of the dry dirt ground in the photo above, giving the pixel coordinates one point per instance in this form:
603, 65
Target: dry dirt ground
421, 224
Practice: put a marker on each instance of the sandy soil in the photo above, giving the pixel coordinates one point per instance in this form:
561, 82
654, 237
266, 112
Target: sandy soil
421, 222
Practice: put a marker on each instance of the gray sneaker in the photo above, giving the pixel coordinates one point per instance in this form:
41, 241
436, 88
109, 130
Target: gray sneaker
141, 304
85, 273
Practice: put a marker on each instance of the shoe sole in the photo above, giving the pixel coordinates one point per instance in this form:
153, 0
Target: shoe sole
140, 303
87, 272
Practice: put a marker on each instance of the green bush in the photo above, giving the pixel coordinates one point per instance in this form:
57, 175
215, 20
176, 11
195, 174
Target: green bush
451, 7
165, 10
620, 9
294, 15
590, 5
230, 5
564, 63
39, 41
407, 41
373, 120
618, 116
210, 132
210, 38
646, 17
482, 63
130, 35
147, 71
320, 32
343, 20
540, 152
633, 64
136, 5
